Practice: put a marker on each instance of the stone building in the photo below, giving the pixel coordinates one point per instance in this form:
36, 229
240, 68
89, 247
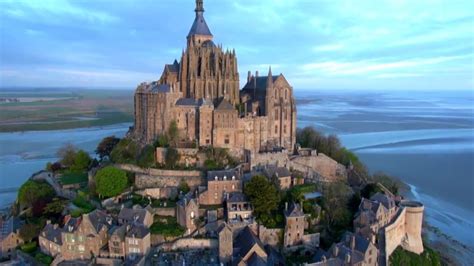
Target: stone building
50, 239
282, 174
139, 215
83, 237
218, 184
9, 236
137, 241
240, 247
187, 212
239, 209
374, 214
295, 224
201, 94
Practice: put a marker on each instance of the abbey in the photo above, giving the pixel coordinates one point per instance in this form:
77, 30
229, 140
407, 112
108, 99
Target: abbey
201, 94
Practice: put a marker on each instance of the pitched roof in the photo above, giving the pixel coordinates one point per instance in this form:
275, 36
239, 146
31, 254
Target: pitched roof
237, 197
52, 233
278, 171
99, 219
294, 211
186, 199
256, 260
118, 231
261, 82
138, 231
223, 174
133, 215
173, 67
244, 242
224, 105
199, 26
387, 201
160, 88
187, 102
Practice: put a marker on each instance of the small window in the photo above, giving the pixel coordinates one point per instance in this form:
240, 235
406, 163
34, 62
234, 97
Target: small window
276, 129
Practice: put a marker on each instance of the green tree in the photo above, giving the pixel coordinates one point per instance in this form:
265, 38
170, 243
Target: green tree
55, 207
106, 146
172, 158
263, 195
67, 154
110, 181
183, 187
32, 191
147, 157
391, 183
82, 161
29, 231
126, 151
173, 134
161, 141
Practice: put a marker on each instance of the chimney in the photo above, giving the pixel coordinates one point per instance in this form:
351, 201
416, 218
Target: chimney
48, 221
335, 251
286, 206
249, 76
353, 242
55, 226
185, 201
323, 258
348, 258
256, 74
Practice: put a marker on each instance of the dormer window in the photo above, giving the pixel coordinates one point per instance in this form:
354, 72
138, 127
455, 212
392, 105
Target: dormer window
215, 178
225, 177
233, 177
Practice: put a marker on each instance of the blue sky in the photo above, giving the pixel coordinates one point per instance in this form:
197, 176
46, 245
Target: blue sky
408, 44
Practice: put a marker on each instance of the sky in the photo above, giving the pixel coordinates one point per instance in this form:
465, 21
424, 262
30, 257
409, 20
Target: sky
389, 45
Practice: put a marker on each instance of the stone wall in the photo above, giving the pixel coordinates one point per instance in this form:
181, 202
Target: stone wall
275, 158
159, 193
270, 236
158, 178
405, 230
319, 167
163, 211
188, 156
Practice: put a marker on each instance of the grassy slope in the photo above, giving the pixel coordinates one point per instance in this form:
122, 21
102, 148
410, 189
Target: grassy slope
84, 108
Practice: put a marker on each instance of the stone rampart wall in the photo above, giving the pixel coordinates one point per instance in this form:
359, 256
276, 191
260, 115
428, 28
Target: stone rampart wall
319, 167
273, 158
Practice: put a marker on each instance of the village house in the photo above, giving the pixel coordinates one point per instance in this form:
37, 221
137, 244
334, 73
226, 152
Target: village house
187, 212
83, 237
9, 236
239, 209
136, 215
243, 249
137, 241
218, 184
282, 174
117, 241
295, 224
50, 239
374, 214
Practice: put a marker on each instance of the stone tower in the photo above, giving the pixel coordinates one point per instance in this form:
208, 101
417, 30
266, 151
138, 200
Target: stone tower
205, 70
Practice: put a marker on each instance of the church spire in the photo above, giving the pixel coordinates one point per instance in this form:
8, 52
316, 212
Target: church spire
270, 77
199, 7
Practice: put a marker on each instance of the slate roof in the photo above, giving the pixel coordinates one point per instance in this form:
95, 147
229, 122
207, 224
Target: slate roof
199, 26
119, 231
187, 102
294, 211
244, 242
186, 198
278, 171
99, 219
9, 226
173, 67
361, 244
237, 197
261, 83
224, 105
220, 174
387, 201
52, 234
256, 260
133, 215
161, 88
71, 224
138, 231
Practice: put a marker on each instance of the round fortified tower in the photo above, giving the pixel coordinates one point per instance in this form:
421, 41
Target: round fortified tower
413, 225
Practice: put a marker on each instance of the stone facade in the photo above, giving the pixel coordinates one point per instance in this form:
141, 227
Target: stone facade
294, 227
201, 94
9, 236
187, 212
218, 184
319, 167
239, 209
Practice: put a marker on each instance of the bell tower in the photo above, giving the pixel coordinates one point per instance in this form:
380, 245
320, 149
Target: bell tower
199, 32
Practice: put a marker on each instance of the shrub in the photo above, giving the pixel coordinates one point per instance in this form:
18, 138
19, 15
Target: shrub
126, 151
32, 191
28, 247
43, 259
110, 181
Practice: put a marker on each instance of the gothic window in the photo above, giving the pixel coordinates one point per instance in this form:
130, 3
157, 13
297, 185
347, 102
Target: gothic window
276, 114
284, 129
226, 140
276, 129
